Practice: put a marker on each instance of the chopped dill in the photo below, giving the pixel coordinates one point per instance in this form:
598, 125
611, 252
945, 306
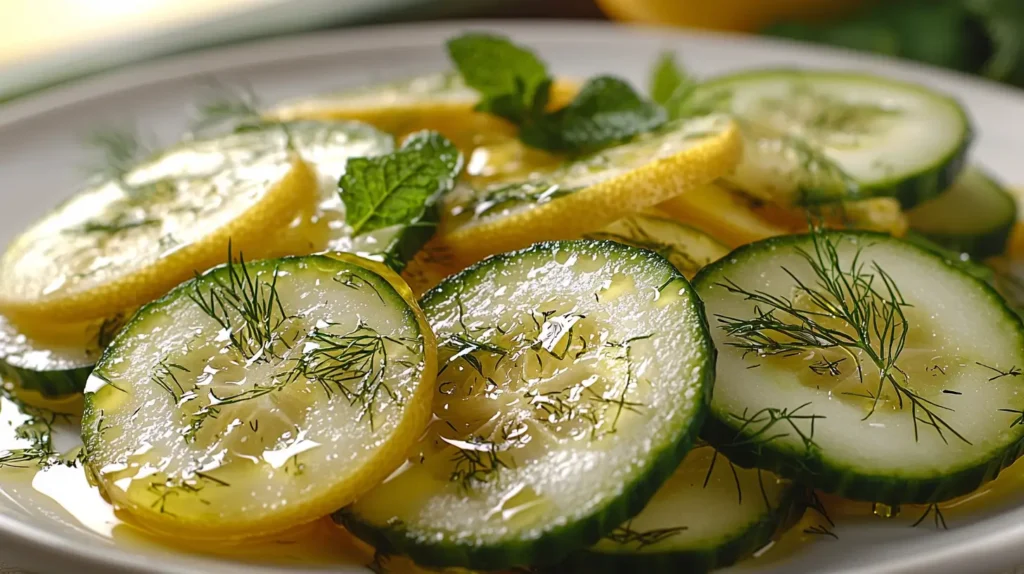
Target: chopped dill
1014, 371
937, 517
870, 308
625, 535
249, 309
814, 503
38, 430
476, 461
120, 151
763, 425
351, 364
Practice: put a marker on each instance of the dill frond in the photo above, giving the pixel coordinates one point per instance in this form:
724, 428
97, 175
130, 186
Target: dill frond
869, 308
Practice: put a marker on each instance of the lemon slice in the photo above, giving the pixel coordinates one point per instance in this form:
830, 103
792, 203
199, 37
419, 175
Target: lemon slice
122, 242
587, 193
440, 102
260, 396
722, 213
685, 247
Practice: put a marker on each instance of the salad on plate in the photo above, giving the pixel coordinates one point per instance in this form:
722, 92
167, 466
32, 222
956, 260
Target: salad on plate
493, 319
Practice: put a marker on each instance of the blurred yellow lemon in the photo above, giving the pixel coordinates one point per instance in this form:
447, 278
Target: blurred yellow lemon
743, 15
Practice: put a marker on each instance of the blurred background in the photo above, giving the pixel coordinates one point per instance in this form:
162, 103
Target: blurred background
47, 42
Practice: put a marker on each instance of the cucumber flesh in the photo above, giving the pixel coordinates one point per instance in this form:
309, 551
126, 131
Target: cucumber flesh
685, 247
51, 366
975, 216
709, 514
823, 136
789, 395
572, 383
257, 397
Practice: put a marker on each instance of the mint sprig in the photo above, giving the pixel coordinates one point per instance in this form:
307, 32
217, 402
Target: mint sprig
399, 190
514, 84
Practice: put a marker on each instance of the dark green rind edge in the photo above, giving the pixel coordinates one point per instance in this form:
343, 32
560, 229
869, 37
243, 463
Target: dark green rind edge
111, 352
981, 245
911, 189
50, 384
846, 481
555, 544
696, 560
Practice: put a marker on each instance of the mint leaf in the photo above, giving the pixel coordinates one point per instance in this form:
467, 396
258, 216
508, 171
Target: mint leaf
669, 81
514, 83
671, 86
398, 188
606, 111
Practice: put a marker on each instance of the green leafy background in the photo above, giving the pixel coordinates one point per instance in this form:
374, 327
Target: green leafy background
984, 37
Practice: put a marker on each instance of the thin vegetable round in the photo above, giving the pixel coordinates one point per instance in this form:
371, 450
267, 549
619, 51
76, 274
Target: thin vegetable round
57, 365
976, 215
709, 514
573, 378
863, 365
825, 136
259, 396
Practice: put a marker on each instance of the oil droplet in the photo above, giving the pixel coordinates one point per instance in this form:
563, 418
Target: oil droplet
885, 510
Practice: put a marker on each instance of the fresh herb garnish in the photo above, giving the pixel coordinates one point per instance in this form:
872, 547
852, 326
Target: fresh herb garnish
936, 512
476, 460
514, 84
671, 86
400, 188
625, 535
37, 428
120, 150
864, 309
248, 308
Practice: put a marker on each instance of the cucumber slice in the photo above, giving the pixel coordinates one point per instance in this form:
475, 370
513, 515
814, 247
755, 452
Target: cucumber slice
121, 242
54, 366
259, 396
823, 136
975, 216
685, 247
863, 365
573, 381
709, 514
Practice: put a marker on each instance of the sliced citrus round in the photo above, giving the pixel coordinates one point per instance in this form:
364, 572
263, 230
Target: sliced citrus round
122, 242
685, 247
260, 396
440, 102
586, 193
722, 213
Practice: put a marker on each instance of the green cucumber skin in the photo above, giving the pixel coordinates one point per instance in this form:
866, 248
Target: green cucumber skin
790, 511
978, 246
910, 190
811, 468
926, 184
557, 544
49, 384
915, 189
852, 483
986, 244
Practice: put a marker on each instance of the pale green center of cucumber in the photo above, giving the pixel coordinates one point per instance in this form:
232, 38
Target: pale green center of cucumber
563, 371
950, 361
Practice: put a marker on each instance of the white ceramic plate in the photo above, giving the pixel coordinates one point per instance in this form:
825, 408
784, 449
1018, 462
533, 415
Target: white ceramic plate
41, 159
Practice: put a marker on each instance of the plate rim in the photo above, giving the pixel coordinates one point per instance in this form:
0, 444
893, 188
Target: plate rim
984, 542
